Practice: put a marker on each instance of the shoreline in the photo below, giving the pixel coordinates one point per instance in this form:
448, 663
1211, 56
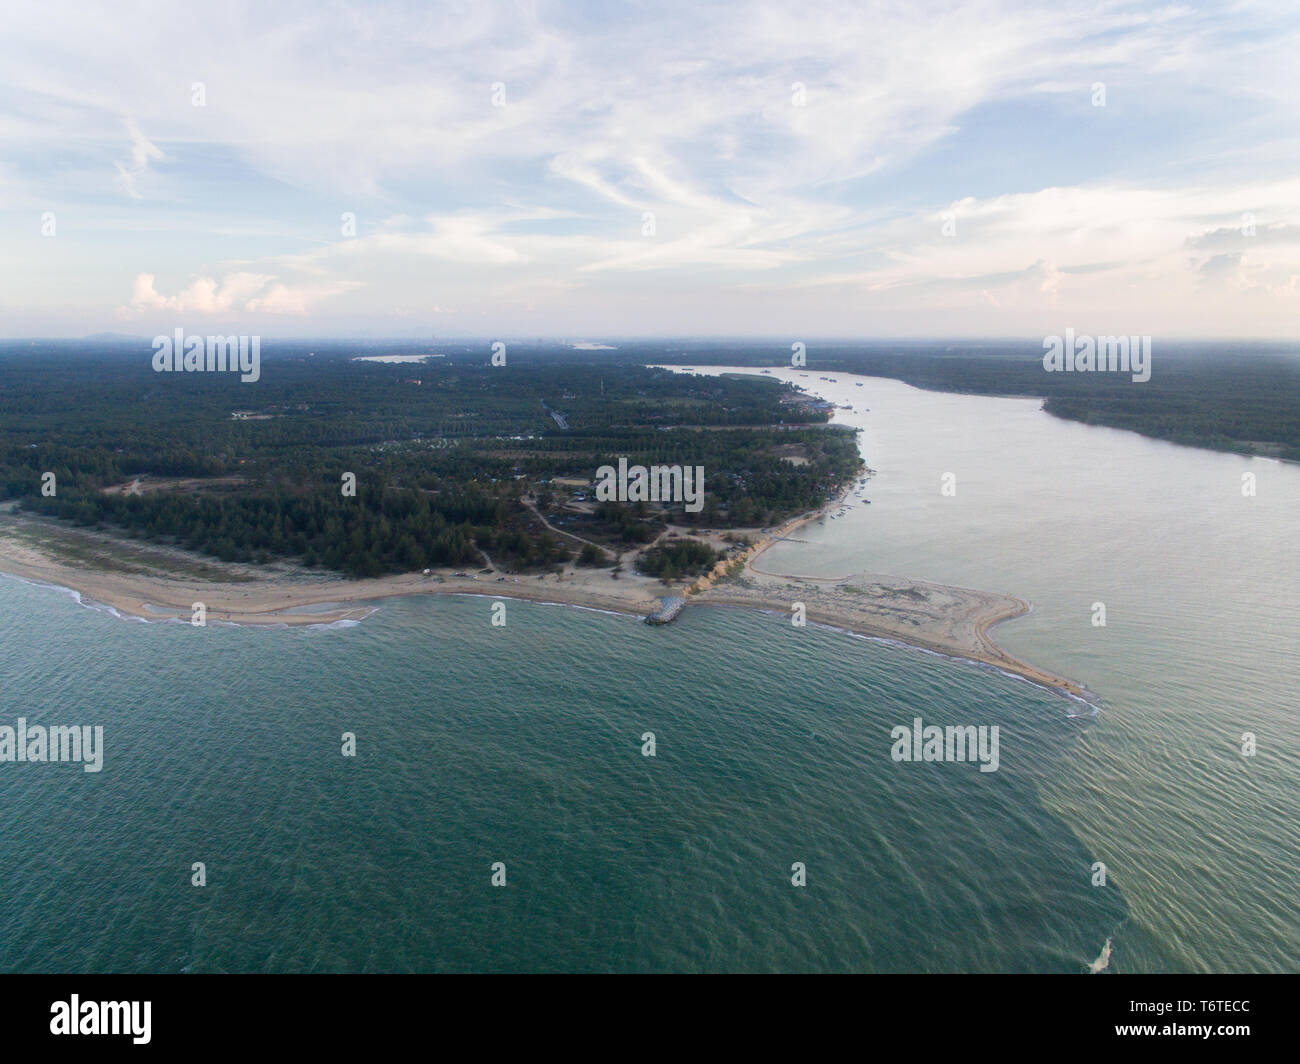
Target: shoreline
153, 583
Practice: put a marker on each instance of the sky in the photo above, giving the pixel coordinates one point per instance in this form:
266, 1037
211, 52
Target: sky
602, 169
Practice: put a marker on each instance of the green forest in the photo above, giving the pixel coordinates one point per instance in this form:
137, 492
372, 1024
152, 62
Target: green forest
442, 452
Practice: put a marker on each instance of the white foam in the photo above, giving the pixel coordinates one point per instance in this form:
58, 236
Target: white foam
103, 607
1093, 707
1102, 962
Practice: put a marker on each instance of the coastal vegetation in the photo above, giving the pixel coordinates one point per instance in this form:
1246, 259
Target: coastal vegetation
678, 558
446, 455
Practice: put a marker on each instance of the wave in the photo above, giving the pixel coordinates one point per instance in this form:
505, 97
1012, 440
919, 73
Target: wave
112, 611
1092, 702
282, 626
1102, 963
587, 609
541, 602
78, 598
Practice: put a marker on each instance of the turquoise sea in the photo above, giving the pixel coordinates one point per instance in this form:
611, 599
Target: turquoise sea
523, 745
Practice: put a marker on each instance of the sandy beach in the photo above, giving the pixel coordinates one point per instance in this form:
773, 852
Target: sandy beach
157, 583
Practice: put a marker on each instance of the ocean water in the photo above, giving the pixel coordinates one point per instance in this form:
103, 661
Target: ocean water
1201, 587
523, 745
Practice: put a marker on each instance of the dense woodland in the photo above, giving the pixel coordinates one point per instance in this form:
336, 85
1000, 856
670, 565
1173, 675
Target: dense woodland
678, 558
442, 452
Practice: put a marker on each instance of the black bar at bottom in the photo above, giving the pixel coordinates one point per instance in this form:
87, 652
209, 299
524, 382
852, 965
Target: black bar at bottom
339, 1013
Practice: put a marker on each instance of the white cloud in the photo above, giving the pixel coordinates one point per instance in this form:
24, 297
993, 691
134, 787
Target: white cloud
143, 151
251, 292
685, 111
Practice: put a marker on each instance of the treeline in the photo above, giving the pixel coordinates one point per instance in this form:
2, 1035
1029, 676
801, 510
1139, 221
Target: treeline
628, 523
366, 535
678, 558
439, 465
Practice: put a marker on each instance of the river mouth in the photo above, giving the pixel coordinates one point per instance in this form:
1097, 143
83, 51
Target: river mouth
1154, 580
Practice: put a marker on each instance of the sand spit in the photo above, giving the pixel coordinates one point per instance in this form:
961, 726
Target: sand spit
157, 583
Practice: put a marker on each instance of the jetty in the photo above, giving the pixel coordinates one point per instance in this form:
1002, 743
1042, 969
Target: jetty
669, 607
